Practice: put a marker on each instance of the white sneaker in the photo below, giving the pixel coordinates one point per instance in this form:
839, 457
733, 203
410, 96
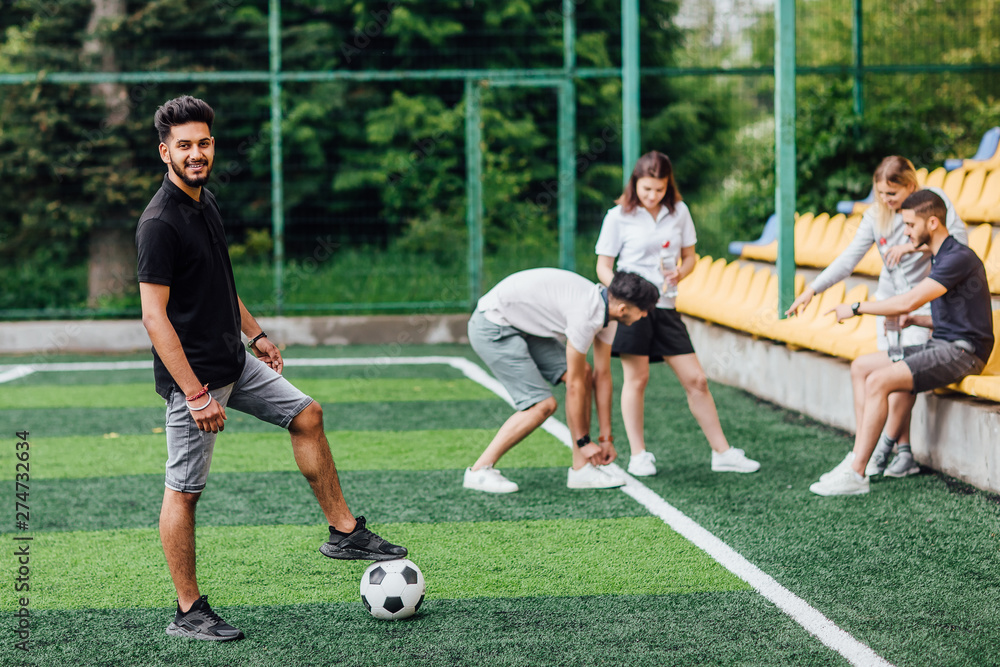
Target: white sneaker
589, 477
846, 464
733, 460
642, 464
844, 482
489, 480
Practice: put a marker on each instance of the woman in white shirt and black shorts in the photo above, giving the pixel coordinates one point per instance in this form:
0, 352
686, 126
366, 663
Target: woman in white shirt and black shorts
650, 214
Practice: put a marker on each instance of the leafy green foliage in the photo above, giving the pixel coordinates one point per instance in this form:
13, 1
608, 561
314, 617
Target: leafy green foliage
367, 164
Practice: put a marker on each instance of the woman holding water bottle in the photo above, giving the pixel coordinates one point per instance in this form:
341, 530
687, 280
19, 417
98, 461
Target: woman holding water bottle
903, 266
650, 232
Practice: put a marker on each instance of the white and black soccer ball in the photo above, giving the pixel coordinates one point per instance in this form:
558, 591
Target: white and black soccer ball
392, 589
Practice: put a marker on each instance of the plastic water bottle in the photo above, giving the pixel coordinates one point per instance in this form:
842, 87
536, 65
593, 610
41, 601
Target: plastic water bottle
893, 331
668, 262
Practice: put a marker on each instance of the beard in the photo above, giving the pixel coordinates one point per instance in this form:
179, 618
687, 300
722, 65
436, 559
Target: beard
196, 181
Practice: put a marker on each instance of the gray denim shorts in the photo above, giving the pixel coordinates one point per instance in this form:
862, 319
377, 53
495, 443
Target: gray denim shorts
938, 363
525, 365
259, 392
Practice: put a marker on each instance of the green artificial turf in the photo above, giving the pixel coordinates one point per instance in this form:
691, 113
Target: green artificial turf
113, 454
125, 568
425, 496
912, 569
688, 630
368, 416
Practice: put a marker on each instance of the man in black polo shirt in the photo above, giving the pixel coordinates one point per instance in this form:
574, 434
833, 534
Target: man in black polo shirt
194, 317
961, 317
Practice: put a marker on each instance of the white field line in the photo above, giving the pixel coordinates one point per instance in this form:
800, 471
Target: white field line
795, 607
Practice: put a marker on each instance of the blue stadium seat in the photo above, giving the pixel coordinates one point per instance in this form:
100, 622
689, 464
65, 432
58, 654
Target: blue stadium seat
770, 233
987, 149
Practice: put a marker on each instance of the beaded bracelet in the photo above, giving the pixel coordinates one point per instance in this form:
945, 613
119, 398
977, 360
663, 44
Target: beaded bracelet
193, 397
606, 438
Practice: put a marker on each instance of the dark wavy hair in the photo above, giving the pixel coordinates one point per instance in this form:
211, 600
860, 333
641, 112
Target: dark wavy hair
925, 203
653, 164
634, 289
179, 111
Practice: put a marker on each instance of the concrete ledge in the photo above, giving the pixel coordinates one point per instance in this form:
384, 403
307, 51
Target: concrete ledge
57, 337
955, 434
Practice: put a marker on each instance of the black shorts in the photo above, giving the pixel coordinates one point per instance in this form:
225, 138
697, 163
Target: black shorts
660, 334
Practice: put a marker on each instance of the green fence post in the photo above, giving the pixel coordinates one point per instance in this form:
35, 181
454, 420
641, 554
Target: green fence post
857, 42
277, 174
630, 86
567, 143
474, 187
784, 148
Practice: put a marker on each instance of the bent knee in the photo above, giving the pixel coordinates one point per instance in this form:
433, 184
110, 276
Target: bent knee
879, 383
309, 419
546, 407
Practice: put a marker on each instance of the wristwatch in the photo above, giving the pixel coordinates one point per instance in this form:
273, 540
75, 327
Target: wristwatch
854, 308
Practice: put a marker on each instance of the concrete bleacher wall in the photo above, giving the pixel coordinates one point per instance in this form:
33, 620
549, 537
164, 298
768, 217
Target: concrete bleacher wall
955, 434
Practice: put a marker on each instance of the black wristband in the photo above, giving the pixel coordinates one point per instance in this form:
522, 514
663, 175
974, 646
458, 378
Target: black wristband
584, 441
255, 339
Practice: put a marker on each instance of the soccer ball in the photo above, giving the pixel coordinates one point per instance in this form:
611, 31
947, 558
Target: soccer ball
392, 589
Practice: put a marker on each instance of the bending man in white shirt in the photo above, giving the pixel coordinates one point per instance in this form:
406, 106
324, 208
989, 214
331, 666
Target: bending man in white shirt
533, 330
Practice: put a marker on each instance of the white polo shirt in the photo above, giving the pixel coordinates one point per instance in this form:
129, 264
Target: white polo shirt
636, 238
550, 303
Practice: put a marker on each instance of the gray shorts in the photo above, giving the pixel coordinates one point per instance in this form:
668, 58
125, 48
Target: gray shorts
938, 363
525, 365
259, 392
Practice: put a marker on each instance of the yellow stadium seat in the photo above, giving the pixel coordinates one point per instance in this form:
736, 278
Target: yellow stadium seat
985, 386
760, 253
862, 340
922, 177
820, 242
690, 287
799, 330
826, 339
761, 315
732, 290
987, 383
979, 239
740, 314
769, 252
972, 188
694, 300
871, 263
952, 185
826, 252
987, 208
935, 179
992, 263
810, 237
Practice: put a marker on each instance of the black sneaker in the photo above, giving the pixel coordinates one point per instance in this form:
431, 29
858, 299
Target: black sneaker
200, 622
362, 544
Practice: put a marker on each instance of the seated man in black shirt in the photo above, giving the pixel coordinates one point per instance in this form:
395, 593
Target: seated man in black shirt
961, 343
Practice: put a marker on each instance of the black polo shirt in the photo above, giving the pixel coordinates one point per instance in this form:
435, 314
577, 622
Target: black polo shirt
964, 312
181, 243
